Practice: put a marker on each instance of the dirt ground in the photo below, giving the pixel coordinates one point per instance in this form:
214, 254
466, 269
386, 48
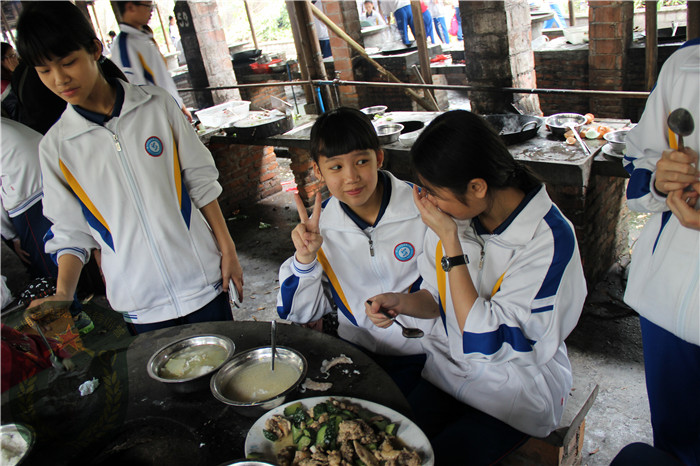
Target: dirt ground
604, 348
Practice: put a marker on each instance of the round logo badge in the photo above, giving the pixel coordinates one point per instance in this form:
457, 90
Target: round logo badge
404, 251
154, 146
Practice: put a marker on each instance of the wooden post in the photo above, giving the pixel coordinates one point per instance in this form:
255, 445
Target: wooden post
572, 13
422, 101
6, 27
303, 60
250, 23
693, 28
166, 34
97, 23
651, 43
312, 48
115, 10
422, 44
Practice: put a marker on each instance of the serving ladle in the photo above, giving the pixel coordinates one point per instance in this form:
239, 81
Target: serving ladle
680, 121
273, 332
407, 332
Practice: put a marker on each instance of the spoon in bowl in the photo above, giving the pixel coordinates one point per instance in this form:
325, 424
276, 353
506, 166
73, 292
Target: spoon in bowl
273, 332
407, 332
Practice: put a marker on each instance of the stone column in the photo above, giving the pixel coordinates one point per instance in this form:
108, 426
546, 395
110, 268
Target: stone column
204, 43
610, 34
498, 53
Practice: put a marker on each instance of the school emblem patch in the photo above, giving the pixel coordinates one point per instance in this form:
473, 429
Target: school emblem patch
154, 146
404, 251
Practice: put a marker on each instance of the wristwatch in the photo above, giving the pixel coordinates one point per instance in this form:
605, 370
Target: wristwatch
449, 262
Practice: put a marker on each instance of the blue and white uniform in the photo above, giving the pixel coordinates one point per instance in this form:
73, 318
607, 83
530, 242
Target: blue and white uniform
133, 188
356, 262
135, 52
509, 360
675, 285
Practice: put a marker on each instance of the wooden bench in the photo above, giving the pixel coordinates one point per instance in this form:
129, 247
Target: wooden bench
564, 445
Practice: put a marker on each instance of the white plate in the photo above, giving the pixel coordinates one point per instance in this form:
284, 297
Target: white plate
608, 150
408, 431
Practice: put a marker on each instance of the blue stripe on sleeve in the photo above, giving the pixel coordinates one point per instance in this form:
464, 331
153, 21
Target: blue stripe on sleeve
638, 185
490, 342
416, 285
543, 309
287, 290
564, 245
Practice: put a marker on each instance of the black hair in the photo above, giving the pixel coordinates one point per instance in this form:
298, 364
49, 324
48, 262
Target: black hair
5, 48
341, 131
6, 73
459, 146
112, 34
48, 30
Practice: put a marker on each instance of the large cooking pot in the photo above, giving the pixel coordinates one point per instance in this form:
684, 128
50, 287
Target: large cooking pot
513, 128
259, 125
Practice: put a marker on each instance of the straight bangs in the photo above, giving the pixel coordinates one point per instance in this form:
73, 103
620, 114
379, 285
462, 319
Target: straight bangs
50, 30
342, 131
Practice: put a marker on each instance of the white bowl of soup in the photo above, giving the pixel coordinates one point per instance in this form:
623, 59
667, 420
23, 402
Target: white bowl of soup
248, 383
186, 365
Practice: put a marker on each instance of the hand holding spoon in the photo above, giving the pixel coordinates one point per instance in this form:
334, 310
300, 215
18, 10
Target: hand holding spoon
407, 332
680, 121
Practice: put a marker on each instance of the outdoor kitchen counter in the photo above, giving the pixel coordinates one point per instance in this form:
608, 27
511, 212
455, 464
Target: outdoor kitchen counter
133, 419
552, 158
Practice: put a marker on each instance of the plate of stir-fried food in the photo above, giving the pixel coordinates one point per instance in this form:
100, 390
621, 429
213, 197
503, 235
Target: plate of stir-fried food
337, 431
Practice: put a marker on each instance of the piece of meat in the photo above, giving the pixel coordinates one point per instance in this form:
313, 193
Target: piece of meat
364, 454
286, 455
347, 451
317, 386
301, 455
334, 458
342, 359
356, 430
278, 425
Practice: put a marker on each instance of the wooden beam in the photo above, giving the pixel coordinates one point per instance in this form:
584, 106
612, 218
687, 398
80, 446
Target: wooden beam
572, 13
651, 43
312, 48
422, 101
303, 61
166, 33
6, 26
250, 23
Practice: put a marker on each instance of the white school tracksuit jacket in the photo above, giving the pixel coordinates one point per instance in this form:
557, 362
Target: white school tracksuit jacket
354, 265
510, 359
133, 189
137, 55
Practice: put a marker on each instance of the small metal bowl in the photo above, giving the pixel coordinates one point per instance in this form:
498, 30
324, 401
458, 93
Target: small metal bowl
26, 433
617, 139
263, 355
375, 110
560, 123
389, 133
187, 385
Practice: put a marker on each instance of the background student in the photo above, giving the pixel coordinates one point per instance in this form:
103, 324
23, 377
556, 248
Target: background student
137, 54
502, 271
125, 173
364, 241
664, 279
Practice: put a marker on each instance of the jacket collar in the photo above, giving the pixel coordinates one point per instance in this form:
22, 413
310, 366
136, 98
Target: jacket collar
399, 208
520, 228
73, 124
128, 29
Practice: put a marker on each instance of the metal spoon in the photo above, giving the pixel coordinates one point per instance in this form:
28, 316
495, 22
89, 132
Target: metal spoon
55, 362
273, 332
681, 122
585, 148
407, 332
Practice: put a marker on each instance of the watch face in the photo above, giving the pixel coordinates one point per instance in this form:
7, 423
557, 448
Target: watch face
445, 262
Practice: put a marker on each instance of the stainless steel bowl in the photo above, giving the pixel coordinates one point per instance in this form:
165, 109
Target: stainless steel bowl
617, 139
18, 431
389, 133
262, 355
187, 385
375, 110
559, 123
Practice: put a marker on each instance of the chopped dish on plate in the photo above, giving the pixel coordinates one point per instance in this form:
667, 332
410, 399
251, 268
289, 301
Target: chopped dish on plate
326, 430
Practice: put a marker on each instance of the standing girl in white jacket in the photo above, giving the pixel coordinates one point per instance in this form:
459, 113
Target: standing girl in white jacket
125, 173
502, 270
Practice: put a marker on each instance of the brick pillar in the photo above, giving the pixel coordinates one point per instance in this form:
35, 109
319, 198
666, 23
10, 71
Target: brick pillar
345, 15
610, 34
307, 183
498, 53
208, 58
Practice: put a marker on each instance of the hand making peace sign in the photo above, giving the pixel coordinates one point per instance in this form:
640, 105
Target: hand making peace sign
307, 236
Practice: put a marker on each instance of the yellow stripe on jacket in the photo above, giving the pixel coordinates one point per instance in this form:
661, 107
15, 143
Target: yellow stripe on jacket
323, 260
78, 190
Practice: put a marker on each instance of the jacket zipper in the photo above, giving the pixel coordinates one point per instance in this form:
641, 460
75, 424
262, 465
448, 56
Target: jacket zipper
149, 234
371, 247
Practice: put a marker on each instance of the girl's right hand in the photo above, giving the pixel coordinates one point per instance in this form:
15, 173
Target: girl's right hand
307, 235
389, 302
442, 224
676, 170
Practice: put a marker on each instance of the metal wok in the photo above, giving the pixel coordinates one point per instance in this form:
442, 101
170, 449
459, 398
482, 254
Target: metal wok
513, 128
